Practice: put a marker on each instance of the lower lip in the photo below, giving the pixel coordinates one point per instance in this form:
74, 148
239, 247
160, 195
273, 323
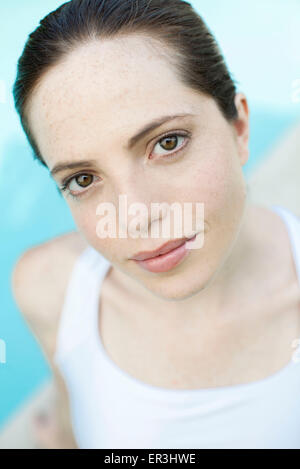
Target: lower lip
166, 261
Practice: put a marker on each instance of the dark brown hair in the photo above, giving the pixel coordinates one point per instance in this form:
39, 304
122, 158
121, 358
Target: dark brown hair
193, 49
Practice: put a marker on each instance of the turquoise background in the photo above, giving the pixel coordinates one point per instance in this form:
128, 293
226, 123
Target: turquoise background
260, 40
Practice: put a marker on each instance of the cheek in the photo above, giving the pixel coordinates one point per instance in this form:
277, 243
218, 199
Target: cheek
219, 184
87, 220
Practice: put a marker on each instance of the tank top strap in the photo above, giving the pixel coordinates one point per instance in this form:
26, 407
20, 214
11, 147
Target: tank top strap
80, 302
292, 223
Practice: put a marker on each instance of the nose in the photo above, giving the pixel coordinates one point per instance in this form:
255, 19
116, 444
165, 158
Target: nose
135, 196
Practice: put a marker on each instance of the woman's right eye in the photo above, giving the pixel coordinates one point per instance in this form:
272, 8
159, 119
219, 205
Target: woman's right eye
77, 185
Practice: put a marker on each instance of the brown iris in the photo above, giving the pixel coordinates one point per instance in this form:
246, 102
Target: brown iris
84, 180
170, 142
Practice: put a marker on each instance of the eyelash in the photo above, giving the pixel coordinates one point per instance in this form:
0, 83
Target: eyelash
66, 183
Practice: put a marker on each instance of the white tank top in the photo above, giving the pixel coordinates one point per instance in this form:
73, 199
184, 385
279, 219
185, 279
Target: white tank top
112, 409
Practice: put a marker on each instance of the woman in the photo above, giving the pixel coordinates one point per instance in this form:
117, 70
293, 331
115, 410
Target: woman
192, 350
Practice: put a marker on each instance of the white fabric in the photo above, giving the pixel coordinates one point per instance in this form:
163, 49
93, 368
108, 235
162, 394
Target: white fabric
112, 409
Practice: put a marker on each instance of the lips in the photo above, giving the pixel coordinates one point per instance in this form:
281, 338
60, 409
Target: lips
166, 247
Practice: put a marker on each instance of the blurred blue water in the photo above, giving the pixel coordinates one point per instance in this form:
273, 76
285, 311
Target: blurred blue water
32, 210
32, 215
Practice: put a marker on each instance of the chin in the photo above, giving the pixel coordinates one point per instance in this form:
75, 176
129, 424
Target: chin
179, 290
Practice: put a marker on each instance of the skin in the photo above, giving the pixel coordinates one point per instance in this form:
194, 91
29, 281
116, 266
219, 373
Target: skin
73, 126
210, 298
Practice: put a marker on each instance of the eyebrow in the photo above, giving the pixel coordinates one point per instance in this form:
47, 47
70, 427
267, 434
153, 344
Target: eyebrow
75, 164
152, 126
132, 142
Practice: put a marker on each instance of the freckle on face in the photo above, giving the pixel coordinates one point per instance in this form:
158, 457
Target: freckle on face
93, 102
115, 93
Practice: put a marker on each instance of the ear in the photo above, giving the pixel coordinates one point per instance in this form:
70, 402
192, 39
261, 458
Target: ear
241, 127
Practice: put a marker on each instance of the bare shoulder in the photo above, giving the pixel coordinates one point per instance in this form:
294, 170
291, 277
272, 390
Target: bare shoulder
39, 281
276, 245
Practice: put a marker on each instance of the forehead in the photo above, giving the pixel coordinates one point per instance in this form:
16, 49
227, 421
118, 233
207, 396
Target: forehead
104, 89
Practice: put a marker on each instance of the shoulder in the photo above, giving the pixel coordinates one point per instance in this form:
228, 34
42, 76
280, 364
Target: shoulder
277, 252
39, 281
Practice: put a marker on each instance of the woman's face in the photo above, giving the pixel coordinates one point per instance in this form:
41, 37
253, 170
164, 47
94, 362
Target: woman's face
84, 113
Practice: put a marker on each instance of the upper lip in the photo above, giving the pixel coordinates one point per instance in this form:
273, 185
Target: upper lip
164, 248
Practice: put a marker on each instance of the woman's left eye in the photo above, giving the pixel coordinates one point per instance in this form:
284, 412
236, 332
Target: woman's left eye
171, 143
